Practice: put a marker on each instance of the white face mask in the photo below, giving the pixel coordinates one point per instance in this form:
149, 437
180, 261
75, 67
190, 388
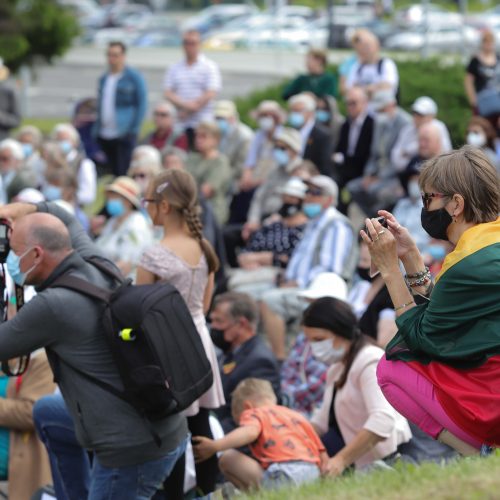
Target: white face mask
266, 123
325, 352
476, 139
414, 190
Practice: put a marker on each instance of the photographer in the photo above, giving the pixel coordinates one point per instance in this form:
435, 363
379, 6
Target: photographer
47, 242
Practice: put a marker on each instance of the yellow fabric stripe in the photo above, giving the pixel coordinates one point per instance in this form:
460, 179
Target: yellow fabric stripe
474, 239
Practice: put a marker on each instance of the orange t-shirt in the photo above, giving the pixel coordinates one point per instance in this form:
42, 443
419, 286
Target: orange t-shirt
285, 436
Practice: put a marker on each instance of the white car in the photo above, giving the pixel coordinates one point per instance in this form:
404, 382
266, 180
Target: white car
414, 15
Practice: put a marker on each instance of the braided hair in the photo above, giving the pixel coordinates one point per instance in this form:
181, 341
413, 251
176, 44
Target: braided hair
179, 188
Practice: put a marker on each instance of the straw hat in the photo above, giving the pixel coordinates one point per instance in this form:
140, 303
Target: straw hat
128, 188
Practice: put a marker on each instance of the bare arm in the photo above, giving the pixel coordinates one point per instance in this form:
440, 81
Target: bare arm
144, 277
470, 90
204, 447
209, 291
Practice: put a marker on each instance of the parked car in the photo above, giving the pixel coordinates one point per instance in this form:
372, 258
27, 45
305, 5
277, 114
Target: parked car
439, 38
217, 16
414, 15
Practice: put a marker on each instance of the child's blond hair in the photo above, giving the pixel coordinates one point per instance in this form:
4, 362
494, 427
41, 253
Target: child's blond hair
255, 390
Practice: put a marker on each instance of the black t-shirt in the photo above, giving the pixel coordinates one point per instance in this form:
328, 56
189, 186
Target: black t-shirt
483, 73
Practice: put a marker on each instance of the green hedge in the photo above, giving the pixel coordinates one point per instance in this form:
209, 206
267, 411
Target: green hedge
443, 81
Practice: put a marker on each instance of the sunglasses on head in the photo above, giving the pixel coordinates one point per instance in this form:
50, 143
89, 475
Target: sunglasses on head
427, 197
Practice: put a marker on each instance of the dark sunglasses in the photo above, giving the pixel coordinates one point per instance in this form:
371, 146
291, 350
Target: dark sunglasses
427, 197
315, 192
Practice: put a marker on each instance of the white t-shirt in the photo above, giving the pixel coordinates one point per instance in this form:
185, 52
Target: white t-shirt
109, 129
190, 81
368, 74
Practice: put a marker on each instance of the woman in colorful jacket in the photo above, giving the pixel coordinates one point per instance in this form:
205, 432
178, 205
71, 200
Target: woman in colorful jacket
442, 369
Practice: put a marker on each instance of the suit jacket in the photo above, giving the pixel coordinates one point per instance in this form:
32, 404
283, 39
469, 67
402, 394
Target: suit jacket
318, 149
251, 359
29, 467
354, 165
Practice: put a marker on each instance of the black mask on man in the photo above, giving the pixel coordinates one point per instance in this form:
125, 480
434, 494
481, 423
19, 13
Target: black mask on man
217, 337
289, 209
436, 223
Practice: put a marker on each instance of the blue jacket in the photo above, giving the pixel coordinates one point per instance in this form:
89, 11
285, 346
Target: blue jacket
131, 102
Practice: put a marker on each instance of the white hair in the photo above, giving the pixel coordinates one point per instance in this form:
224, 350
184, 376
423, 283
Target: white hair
167, 104
306, 100
33, 131
14, 147
146, 156
67, 129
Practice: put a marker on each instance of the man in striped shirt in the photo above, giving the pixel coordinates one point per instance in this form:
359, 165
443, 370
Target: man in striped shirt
328, 245
192, 85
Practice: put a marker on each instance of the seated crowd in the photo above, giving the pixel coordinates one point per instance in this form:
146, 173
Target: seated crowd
259, 230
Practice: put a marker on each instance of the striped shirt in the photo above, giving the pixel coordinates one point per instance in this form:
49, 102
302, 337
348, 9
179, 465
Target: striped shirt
191, 81
327, 246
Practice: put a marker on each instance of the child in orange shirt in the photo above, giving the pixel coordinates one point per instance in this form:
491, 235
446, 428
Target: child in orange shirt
285, 446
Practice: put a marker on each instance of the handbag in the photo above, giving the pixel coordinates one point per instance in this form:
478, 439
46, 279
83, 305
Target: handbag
488, 102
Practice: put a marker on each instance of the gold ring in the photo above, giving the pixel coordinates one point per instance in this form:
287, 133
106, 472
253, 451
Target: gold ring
381, 232
377, 238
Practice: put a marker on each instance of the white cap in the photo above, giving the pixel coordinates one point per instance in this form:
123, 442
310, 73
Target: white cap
294, 187
29, 195
425, 106
327, 185
326, 285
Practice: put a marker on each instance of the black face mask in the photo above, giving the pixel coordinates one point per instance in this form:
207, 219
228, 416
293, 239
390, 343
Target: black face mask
436, 222
218, 339
289, 209
364, 273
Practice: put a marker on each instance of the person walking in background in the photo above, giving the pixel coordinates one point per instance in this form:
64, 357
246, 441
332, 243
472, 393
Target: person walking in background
192, 84
10, 116
122, 103
187, 261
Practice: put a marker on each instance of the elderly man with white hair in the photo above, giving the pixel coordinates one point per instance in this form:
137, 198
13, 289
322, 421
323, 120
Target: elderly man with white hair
167, 131
69, 142
316, 139
11, 169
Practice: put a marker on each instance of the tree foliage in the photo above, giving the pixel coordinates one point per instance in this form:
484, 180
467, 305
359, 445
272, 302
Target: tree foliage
33, 31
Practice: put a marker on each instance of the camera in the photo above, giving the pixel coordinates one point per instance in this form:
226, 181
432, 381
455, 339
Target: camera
381, 221
4, 240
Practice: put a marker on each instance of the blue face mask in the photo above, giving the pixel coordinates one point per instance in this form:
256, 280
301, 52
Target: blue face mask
281, 157
52, 192
223, 125
27, 150
312, 210
296, 119
323, 116
65, 146
13, 267
115, 207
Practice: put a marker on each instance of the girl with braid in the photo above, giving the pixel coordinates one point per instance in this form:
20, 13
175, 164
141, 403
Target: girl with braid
187, 261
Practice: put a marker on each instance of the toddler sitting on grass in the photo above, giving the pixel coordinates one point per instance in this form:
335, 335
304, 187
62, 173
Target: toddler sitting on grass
285, 447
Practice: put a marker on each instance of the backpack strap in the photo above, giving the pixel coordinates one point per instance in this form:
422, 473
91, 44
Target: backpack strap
104, 267
82, 286
379, 65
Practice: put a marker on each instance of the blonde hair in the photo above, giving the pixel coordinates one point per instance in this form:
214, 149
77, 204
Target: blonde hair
210, 128
469, 173
251, 389
179, 188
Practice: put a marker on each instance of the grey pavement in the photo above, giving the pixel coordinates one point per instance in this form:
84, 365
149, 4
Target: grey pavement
55, 89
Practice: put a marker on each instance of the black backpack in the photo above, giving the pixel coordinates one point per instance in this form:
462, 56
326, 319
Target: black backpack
154, 341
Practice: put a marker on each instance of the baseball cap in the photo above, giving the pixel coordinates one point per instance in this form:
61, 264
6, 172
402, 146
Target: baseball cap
327, 185
224, 109
290, 137
325, 285
294, 187
425, 106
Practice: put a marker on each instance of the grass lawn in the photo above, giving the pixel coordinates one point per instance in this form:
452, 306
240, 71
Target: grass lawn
467, 479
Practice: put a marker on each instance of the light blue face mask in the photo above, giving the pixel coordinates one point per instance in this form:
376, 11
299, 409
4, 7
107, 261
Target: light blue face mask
281, 157
52, 193
296, 119
65, 146
322, 115
312, 210
115, 207
13, 267
223, 125
27, 150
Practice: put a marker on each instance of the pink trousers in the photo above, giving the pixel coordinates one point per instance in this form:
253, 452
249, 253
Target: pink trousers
413, 396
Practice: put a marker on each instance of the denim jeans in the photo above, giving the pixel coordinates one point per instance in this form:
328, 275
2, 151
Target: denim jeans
294, 473
69, 462
134, 482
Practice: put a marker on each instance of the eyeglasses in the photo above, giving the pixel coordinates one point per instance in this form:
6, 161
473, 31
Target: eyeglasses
427, 197
351, 103
190, 42
161, 114
146, 201
139, 176
315, 192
